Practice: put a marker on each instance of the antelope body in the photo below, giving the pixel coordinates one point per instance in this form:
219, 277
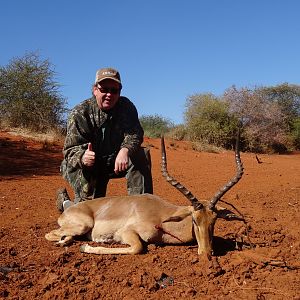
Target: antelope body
145, 218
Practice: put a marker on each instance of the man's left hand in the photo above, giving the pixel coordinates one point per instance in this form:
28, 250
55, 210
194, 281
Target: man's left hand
122, 160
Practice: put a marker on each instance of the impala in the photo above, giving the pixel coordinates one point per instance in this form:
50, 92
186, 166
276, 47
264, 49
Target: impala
134, 219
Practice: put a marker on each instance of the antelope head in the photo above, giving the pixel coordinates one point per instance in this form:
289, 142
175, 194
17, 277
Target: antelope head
205, 213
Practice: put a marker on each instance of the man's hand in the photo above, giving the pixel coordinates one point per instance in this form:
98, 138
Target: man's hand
122, 160
88, 158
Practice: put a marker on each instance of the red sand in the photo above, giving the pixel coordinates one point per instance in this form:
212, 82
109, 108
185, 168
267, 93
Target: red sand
268, 196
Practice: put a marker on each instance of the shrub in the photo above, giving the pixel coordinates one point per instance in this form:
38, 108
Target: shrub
208, 121
29, 96
264, 123
155, 125
295, 133
178, 133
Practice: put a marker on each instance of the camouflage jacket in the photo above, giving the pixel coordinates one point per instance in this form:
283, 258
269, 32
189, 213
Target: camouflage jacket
107, 131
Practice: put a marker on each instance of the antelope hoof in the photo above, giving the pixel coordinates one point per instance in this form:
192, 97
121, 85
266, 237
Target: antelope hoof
65, 241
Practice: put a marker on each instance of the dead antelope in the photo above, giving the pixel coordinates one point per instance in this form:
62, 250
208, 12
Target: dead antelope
149, 218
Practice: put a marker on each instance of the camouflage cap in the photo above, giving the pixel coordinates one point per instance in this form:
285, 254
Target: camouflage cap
108, 73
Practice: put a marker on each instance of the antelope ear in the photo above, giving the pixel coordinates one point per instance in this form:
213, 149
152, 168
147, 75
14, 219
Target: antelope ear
177, 218
228, 215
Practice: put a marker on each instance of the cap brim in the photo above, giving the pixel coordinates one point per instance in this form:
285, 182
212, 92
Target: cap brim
104, 78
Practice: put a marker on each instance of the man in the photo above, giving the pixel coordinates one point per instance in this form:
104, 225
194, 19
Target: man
103, 141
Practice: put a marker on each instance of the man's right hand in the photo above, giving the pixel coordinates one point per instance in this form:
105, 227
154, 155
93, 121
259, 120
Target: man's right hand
88, 158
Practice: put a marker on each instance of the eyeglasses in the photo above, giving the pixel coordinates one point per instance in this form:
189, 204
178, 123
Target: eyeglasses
105, 90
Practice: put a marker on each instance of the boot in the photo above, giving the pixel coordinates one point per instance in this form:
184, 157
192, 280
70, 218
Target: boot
63, 200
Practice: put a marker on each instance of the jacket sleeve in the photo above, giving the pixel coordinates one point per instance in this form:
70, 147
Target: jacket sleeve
77, 139
133, 131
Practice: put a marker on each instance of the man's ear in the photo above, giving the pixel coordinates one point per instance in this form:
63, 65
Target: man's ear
94, 89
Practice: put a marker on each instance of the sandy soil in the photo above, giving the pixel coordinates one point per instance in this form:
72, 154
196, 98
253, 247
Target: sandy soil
263, 265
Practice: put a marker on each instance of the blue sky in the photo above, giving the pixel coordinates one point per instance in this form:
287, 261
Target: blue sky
165, 50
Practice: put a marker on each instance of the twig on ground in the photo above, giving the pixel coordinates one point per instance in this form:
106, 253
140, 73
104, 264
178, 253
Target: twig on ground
266, 289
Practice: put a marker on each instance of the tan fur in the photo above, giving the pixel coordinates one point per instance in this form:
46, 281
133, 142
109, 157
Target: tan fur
146, 218
132, 220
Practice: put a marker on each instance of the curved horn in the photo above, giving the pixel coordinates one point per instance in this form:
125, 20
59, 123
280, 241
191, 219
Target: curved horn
234, 180
196, 204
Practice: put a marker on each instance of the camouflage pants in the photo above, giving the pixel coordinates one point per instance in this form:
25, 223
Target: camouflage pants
92, 183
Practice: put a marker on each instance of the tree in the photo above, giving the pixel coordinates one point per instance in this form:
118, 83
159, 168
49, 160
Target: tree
155, 125
287, 96
29, 95
295, 132
208, 120
263, 120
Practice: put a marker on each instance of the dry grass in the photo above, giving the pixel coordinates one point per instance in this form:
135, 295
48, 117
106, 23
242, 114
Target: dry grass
203, 147
48, 139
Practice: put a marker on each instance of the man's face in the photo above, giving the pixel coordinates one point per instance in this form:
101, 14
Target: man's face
107, 93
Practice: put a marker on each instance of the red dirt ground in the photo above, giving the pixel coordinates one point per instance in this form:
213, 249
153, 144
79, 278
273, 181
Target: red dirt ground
268, 196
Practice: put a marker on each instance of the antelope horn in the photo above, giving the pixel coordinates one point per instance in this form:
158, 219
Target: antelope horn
196, 204
234, 180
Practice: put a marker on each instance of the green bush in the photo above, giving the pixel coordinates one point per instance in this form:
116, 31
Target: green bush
29, 95
154, 125
208, 121
295, 133
178, 133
